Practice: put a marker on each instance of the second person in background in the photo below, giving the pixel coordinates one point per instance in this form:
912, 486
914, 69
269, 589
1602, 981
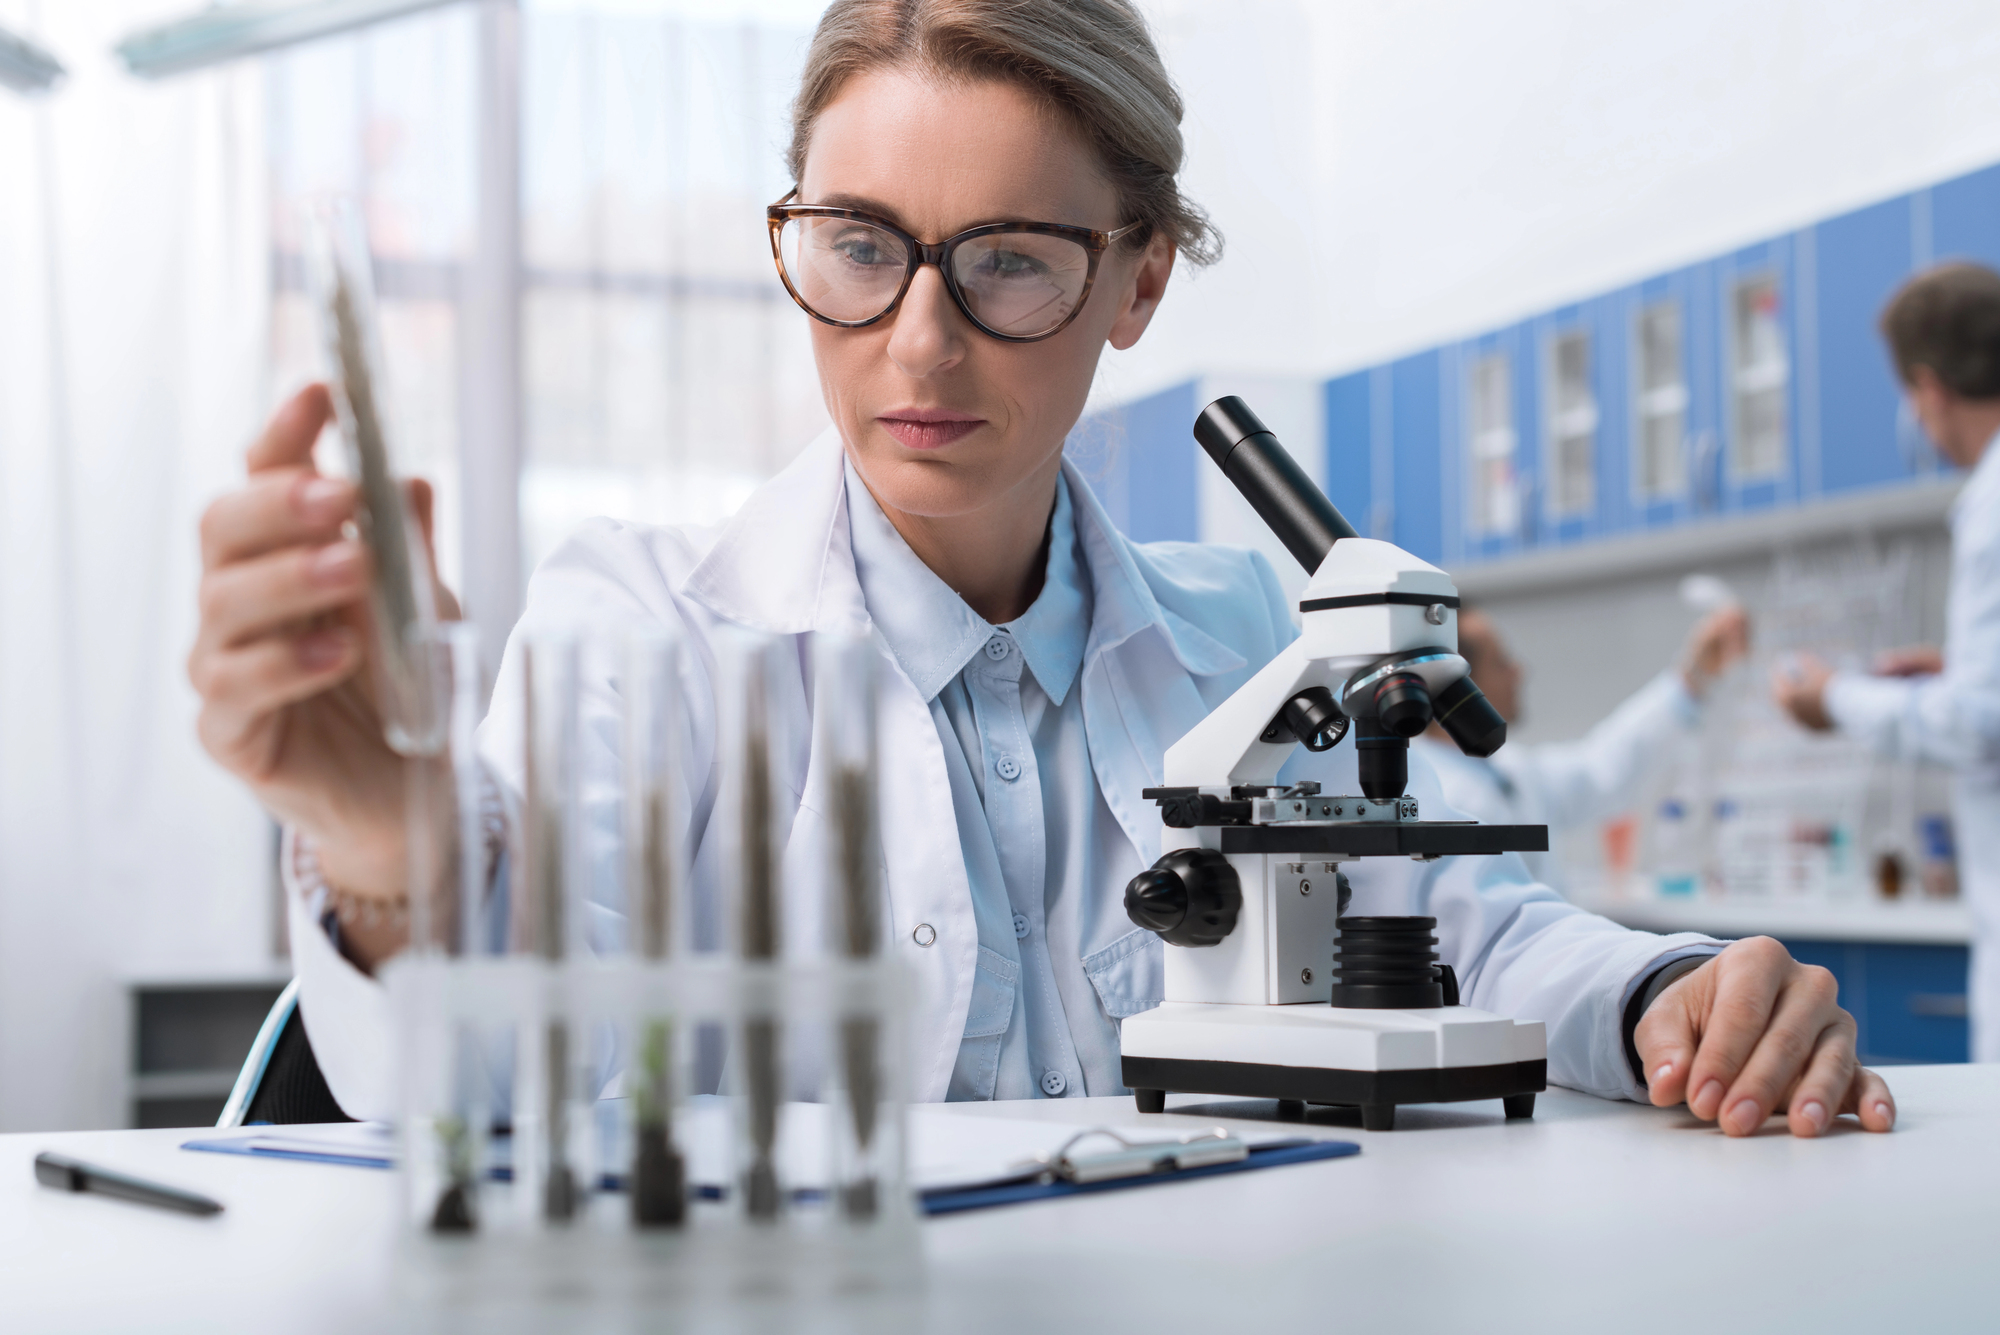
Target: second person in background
1608, 770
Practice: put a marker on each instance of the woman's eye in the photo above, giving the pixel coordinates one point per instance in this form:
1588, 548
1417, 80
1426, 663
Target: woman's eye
860, 248
1009, 264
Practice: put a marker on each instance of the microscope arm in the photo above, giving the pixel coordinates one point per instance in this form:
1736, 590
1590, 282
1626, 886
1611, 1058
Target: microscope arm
1225, 749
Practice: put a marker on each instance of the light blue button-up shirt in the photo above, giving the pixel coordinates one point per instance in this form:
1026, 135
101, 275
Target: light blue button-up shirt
1036, 833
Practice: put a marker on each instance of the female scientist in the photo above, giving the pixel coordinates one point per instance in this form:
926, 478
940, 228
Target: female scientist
1041, 661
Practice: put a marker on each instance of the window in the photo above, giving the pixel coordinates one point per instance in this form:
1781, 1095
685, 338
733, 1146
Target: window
1759, 373
1572, 427
664, 372
1496, 491
1663, 400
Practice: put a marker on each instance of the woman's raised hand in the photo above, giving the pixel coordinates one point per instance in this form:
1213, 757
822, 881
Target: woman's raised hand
281, 654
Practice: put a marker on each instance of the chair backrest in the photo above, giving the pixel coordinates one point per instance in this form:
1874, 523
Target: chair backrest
251, 1077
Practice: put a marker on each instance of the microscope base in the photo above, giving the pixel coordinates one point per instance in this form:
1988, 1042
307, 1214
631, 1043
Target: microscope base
1373, 1060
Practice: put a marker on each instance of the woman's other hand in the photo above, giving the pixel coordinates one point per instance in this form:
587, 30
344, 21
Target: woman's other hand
1753, 1032
280, 657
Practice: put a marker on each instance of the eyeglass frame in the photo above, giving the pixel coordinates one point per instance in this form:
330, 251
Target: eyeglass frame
1094, 243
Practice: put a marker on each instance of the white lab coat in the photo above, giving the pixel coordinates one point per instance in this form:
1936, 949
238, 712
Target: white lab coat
1205, 620
1567, 785
1954, 719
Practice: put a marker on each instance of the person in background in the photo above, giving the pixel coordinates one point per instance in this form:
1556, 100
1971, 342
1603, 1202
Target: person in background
1565, 785
1943, 330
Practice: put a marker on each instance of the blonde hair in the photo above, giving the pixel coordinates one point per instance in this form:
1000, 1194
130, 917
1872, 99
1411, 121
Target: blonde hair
1091, 61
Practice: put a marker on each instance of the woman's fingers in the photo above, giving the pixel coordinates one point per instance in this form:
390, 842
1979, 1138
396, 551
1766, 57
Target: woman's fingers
1742, 997
277, 508
252, 599
289, 435
241, 687
1668, 1035
1804, 1010
1827, 1082
1868, 1096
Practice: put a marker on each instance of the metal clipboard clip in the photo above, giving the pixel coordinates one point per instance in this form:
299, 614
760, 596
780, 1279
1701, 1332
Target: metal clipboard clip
1135, 1158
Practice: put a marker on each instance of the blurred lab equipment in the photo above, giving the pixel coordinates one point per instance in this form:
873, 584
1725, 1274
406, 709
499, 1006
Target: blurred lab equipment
1262, 998
1612, 768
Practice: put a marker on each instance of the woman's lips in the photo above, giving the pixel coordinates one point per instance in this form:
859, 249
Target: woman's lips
929, 431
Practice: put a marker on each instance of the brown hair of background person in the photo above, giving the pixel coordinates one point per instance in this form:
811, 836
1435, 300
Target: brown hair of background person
1948, 320
1093, 62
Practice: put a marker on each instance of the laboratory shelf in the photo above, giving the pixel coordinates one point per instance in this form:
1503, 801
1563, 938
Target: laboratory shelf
1914, 923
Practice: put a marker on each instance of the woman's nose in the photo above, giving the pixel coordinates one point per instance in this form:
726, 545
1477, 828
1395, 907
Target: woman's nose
928, 334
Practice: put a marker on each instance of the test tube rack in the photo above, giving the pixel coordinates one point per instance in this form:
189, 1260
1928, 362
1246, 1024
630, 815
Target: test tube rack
847, 1219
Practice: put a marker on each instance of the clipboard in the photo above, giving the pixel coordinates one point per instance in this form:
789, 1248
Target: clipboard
1064, 1174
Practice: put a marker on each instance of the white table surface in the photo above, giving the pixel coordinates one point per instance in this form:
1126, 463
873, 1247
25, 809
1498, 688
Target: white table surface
1595, 1215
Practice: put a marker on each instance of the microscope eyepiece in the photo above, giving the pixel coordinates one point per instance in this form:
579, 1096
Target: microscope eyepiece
1464, 712
1271, 480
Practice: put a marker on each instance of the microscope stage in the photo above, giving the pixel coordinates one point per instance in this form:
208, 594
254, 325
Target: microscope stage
1375, 839
1314, 1053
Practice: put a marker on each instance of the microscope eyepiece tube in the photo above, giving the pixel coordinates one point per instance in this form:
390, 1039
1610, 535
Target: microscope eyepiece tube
1271, 480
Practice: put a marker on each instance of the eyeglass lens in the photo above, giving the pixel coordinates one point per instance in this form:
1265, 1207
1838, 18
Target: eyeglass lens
1015, 283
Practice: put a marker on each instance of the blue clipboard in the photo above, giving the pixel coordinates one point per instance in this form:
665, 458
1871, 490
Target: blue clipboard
1274, 1154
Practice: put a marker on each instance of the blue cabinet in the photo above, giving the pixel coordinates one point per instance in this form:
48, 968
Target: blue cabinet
1908, 1001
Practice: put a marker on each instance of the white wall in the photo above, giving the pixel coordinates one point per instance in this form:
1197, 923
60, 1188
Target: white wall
1392, 173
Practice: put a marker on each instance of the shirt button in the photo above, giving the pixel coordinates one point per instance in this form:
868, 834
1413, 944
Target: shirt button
924, 935
997, 647
1007, 768
1054, 1083
1020, 927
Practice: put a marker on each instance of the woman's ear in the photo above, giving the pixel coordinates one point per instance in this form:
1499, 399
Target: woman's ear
1144, 287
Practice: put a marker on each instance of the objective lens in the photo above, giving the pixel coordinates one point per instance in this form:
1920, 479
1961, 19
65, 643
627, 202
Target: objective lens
1403, 703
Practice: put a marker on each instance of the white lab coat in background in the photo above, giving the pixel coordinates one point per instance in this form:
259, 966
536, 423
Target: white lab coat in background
1566, 785
1954, 719
1199, 622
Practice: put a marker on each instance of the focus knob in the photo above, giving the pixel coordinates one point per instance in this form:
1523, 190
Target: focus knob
1191, 897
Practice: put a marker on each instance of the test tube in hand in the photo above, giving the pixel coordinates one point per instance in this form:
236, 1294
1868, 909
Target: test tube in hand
401, 600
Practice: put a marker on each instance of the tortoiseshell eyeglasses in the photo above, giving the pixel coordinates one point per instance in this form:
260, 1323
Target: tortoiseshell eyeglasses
1017, 281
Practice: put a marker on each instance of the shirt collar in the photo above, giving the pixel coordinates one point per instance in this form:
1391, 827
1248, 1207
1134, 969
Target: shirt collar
931, 630
1052, 632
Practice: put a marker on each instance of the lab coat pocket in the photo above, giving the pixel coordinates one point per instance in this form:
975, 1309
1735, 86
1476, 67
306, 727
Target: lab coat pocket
1129, 974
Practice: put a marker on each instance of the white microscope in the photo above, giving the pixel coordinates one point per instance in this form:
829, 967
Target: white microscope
1270, 991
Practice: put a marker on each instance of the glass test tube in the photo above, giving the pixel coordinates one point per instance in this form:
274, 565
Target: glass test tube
749, 679
447, 1103
551, 1059
340, 275
653, 879
845, 717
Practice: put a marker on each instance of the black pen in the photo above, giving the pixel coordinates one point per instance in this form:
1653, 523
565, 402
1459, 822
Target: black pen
59, 1170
